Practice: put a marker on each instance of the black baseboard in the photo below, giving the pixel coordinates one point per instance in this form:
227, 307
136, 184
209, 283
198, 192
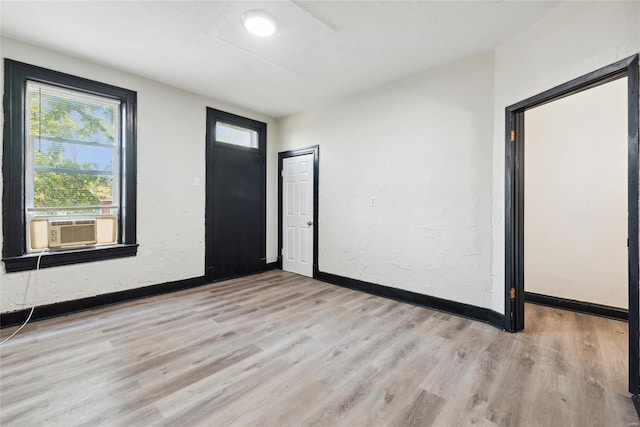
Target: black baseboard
66, 307
271, 266
636, 403
578, 306
453, 307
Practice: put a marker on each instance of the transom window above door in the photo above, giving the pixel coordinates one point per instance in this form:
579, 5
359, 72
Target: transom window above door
236, 135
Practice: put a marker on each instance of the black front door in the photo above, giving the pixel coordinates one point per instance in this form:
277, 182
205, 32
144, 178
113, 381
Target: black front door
236, 195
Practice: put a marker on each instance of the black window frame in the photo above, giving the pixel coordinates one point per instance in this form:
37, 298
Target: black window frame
14, 251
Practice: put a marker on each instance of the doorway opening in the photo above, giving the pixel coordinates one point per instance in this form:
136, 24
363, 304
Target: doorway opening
575, 207
514, 199
298, 211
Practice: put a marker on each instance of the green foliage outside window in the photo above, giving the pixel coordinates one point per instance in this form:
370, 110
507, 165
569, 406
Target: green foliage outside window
58, 179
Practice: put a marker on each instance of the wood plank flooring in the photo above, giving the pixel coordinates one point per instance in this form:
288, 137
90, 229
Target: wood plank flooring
277, 349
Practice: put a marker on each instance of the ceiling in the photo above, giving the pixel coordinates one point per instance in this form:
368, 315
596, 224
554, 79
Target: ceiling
323, 49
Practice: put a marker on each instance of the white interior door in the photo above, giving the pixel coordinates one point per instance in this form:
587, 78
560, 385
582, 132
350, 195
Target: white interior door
297, 212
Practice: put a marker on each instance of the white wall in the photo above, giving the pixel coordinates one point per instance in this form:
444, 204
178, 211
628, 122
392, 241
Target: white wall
575, 38
430, 148
171, 152
422, 147
575, 210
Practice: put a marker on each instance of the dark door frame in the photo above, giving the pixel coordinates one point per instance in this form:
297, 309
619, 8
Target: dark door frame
315, 150
514, 198
212, 145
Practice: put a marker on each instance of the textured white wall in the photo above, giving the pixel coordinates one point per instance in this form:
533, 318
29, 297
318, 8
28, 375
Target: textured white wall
422, 147
575, 38
171, 152
575, 210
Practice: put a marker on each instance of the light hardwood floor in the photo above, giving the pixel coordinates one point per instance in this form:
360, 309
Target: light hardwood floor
278, 349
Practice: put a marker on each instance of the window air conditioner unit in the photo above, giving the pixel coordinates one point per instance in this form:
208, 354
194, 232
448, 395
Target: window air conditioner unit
59, 232
72, 232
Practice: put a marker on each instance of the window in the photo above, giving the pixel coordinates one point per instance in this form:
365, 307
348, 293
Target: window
72, 165
69, 169
236, 135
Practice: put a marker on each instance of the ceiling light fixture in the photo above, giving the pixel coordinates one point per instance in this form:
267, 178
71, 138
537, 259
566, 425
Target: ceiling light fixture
259, 23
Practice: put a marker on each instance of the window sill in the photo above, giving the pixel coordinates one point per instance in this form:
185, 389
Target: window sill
67, 257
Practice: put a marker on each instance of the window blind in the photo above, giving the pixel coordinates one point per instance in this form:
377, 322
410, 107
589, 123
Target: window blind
72, 152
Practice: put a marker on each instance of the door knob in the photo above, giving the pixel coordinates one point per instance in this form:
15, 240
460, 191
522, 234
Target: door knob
309, 223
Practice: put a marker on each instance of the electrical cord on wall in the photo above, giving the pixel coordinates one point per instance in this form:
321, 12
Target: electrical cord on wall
33, 304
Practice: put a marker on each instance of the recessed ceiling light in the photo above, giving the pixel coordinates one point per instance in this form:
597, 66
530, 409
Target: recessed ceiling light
259, 23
